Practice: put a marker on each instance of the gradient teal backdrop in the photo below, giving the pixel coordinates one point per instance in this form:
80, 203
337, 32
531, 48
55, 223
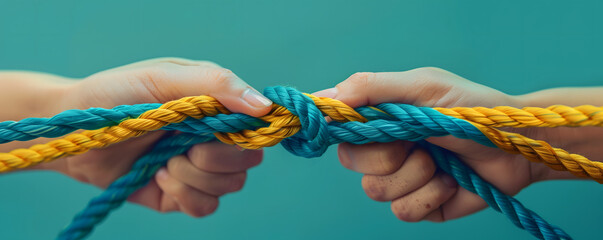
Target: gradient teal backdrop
514, 46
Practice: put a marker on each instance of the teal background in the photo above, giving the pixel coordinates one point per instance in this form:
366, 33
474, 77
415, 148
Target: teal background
514, 46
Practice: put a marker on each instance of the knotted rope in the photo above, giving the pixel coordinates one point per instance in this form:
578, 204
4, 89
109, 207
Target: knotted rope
297, 122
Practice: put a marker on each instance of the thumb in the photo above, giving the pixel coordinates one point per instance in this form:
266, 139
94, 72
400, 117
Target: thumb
165, 80
420, 87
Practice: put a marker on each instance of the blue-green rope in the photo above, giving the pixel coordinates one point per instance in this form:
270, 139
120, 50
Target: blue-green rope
118, 192
391, 122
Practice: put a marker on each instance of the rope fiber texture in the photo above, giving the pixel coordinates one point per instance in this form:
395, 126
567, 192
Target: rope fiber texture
297, 122
141, 173
283, 123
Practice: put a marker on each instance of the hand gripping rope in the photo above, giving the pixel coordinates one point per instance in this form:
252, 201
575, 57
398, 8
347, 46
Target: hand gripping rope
297, 121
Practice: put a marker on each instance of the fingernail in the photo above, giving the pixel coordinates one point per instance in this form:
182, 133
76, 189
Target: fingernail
255, 99
328, 93
162, 174
448, 180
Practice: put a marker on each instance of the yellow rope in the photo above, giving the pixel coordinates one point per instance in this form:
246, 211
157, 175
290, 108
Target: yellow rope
541, 151
553, 116
77, 143
283, 124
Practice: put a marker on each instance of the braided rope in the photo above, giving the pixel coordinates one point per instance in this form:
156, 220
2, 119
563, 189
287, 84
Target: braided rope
502, 116
116, 194
500, 202
553, 116
424, 122
143, 170
358, 132
69, 121
540, 151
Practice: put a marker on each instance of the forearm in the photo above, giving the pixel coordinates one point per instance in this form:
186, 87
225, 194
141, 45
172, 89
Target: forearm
566, 96
29, 94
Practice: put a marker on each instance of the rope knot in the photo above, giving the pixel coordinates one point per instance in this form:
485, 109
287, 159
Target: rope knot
312, 138
297, 120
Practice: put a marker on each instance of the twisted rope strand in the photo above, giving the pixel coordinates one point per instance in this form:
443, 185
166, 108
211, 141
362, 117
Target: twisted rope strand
421, 121
542, 152
170, 112
534, 150
500, 202
144, 169
357, 132
553, 116
95, 118
502, 116
69, 121
118, 192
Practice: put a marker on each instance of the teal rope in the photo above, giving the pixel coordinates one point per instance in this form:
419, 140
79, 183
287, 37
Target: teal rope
518, 214
118, 192
95, 118
395, 122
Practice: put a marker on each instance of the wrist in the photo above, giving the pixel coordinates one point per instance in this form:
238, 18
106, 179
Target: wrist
524, 100
29, 94
32, 95
570, 96
53, 96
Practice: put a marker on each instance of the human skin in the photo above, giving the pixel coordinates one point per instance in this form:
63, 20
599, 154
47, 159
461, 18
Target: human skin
405, 175
191, 183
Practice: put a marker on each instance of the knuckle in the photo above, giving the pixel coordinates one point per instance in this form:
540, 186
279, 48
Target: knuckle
208, 207
170, 60
374, 187
206, 63
439, 195
403, 211
342, 152
236, 182
198, 155
387, 161
361, 80
222, 77
178, 192
345, 162
178, 61
429, 70
426, 166
176, 164
163, 65
430, 73
441, 192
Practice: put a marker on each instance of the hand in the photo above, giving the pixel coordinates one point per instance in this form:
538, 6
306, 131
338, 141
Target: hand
191, 183
405, 174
